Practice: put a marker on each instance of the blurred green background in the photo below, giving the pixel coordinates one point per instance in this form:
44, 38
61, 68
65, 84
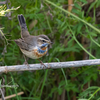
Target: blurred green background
70, 37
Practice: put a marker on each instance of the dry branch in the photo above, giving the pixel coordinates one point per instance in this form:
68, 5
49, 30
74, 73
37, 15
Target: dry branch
52, 65
13, 95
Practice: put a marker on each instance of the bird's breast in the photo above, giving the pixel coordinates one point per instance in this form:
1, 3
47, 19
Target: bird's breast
44, 48
40, 52
35, 53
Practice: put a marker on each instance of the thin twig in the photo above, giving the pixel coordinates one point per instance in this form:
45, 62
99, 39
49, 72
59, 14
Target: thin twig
13, 95
2, 94
3, 2
52, 65
70, 2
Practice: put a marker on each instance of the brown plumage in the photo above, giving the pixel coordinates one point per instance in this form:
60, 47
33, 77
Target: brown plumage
29, 44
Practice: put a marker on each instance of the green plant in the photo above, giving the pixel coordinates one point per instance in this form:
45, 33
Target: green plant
75, 37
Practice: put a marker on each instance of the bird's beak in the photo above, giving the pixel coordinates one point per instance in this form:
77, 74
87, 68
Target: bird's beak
50, 42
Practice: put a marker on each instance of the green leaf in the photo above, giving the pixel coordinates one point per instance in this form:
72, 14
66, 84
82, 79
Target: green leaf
91, 6
60, 90
79, 28
77, 6
84, 1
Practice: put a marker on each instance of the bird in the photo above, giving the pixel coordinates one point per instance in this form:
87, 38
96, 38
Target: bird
32, 46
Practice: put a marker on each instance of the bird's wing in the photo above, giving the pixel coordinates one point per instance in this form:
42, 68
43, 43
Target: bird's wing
22, 44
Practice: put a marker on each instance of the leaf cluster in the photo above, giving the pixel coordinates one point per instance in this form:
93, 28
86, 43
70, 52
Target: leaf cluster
73, 39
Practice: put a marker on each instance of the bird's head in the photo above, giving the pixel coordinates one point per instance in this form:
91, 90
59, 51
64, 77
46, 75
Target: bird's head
44, 41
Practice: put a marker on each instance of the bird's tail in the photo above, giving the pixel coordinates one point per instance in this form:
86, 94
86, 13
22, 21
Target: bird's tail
22, 23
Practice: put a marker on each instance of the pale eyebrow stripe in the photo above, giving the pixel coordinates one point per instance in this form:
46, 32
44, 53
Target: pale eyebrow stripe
43, 39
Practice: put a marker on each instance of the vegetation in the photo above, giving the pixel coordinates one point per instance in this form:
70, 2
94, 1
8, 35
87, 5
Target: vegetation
74, 36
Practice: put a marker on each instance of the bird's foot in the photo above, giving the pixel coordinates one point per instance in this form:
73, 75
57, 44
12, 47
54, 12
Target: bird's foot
42, 63
6, 70
26, 63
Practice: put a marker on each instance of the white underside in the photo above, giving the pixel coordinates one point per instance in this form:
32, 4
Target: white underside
30, 54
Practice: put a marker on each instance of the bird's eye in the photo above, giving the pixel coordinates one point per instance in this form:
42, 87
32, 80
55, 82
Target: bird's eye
43, 41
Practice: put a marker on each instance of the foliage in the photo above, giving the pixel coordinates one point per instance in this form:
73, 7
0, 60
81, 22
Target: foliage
74, 37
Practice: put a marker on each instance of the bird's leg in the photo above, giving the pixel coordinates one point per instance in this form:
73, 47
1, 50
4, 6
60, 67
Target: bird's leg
26, 61
6, 69
42, 63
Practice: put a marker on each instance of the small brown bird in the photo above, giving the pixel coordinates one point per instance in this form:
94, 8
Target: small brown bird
33, 47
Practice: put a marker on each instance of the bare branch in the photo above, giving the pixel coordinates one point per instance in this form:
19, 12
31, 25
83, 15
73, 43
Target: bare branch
3, 2
2, 94
52, 65
13, 95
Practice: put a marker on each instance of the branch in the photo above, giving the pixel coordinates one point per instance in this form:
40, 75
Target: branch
3, 2
52, 65
13, 95
2, 94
